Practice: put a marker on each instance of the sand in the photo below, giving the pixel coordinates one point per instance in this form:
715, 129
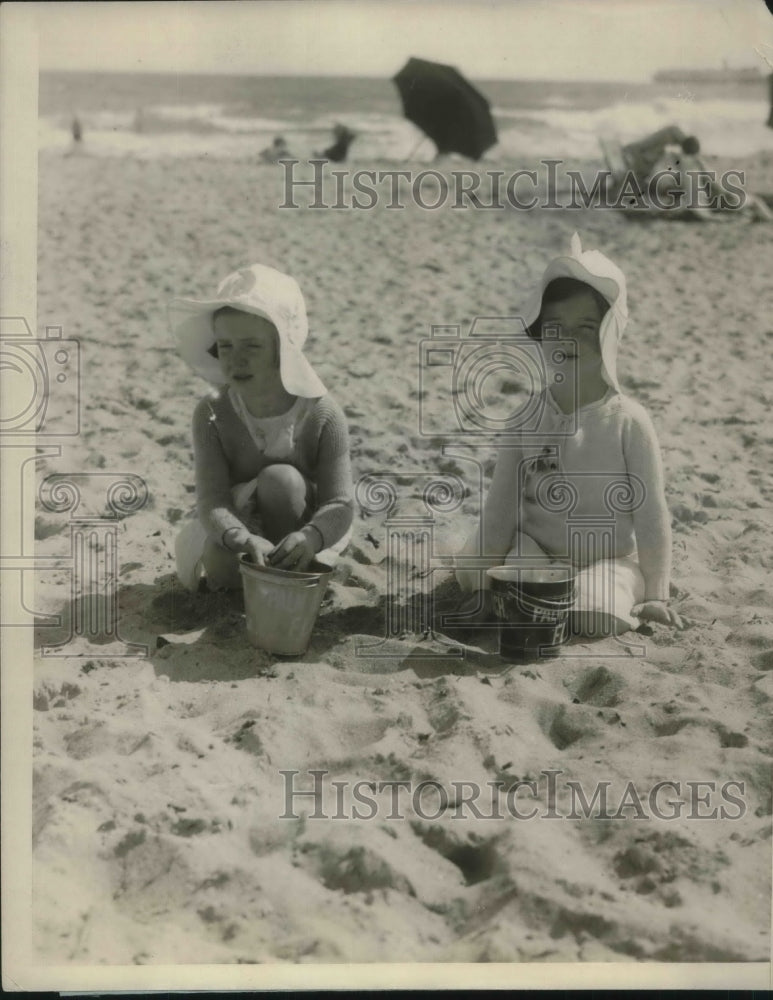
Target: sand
157, 782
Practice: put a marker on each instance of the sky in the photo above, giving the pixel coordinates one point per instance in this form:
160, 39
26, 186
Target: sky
548, 39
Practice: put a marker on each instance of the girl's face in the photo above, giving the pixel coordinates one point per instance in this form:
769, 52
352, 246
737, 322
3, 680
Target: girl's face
247, 349
570, 338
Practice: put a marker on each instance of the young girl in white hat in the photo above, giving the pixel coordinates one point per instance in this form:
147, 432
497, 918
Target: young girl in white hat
586, 484
273, 473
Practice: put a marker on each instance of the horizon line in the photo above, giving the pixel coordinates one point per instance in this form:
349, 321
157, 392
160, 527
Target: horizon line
343, 76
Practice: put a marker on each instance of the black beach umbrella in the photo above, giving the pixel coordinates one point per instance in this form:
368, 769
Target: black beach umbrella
446, 107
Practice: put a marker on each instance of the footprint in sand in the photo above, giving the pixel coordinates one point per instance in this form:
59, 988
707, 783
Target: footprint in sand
445, 709
654, 861
727, 737
358, 869
764, 660
564, 725
476, 857
48, 695
684, 515
756, 634
600, 687
45, 528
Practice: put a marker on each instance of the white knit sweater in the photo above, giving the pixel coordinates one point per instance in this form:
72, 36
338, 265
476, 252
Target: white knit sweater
565, 483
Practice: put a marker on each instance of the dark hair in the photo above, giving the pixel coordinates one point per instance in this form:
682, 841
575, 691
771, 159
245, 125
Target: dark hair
691, 146
559, 290
222, 311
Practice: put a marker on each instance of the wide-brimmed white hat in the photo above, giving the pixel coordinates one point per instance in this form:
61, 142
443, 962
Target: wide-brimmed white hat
262, 291
598, 271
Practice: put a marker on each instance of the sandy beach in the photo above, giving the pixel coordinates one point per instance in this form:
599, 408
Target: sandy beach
157, 779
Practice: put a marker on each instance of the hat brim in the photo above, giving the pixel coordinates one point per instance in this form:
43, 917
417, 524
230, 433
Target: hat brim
191, 324
611, 326
568, 267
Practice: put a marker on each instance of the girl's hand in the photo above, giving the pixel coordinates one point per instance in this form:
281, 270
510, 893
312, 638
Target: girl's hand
296, 550
657, 611
258, 549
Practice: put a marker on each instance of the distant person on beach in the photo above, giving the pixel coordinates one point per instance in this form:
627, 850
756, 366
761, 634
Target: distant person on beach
643, 156
276, 152
76, 130
271, 447
665, 172
342, 140
683, 182
770, 95
591, 443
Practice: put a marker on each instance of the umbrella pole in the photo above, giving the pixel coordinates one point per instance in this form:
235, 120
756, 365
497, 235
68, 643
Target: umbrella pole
412, 153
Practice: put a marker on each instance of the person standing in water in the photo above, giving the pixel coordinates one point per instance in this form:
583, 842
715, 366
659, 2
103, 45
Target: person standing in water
342, 140
770, 95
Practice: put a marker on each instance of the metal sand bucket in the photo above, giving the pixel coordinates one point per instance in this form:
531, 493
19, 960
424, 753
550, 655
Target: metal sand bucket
532, 606
281, 606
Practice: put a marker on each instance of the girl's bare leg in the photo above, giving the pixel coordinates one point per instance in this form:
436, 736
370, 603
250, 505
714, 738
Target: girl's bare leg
221, 566
283, 498
596, 624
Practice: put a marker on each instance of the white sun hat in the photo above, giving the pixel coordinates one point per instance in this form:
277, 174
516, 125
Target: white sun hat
598, 271
261, 291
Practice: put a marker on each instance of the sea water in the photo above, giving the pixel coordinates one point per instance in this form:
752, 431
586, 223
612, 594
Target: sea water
149, 115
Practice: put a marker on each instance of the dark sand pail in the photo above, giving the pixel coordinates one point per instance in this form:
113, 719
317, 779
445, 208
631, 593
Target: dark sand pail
281, 606
532, 607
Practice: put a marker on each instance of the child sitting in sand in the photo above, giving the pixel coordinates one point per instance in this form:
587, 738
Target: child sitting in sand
585, 485
277, 151
273, 474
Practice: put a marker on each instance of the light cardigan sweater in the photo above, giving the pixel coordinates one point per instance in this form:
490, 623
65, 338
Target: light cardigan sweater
226, 454
606, 442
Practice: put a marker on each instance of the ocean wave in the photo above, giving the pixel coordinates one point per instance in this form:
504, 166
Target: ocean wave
725, 128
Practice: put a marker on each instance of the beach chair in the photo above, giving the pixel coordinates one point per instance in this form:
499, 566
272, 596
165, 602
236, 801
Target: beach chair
614, 157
